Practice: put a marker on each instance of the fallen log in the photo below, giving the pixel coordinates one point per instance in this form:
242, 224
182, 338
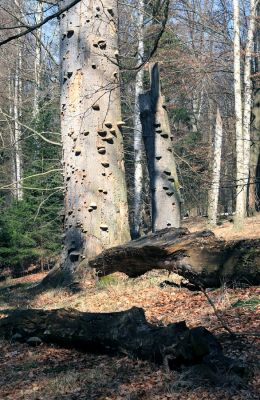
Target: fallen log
126, 332
201, 258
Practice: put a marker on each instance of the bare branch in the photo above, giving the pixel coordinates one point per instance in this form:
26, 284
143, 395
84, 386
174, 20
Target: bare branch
43, 22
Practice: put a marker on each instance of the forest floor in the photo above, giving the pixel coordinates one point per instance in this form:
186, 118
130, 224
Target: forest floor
48, 372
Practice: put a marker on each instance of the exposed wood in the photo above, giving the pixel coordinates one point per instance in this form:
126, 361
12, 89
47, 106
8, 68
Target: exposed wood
125, 332
199, 257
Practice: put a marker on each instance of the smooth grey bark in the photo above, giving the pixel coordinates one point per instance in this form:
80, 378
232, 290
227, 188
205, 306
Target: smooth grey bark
240, 178
96, 212
164, 185
17, 113
248, 94
214, 190
38, 58
138, 143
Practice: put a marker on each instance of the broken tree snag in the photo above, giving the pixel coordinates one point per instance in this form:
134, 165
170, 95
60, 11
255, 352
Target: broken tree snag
165, 189
125, 332
199, 257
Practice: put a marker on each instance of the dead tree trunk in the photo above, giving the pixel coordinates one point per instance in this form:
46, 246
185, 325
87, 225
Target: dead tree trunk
125, 332
164, 183
96, 212
199, 257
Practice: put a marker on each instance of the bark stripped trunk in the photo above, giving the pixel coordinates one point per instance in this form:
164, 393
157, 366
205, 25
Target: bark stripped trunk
164, 183
96, 212
125, 332
138, 147
240, 178
214, 191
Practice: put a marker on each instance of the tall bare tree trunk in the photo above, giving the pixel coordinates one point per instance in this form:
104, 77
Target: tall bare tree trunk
17, 176
240, 177
248, 95
96, 212
38, 58
214, 190
254, 184
165, 190
138, 148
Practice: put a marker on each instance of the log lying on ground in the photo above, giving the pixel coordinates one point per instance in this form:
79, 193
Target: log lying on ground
125, 332
200, 257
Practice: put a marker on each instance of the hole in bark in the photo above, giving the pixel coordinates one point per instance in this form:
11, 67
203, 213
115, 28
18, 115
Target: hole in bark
96, 107
97, 16
105, 191
169, 224
104, 174
98, 8
95, 45
63, 36
64, 79
169, 149
164, 135
68, 178
94, 66
86, 133
169, 194
157, 125
171, 179
158, 158
70, 33
165, 188
167, 172
104, 228
108, 125
69, 74
87, 20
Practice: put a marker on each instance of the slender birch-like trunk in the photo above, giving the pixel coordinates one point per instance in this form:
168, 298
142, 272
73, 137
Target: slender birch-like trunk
214, 190
18, 191
240, 177
96, 211
248, 92
138, 147
38, 59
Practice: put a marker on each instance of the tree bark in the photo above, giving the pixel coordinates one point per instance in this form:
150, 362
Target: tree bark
248, 92
240, 178
138, 143
125, 332
214, 190
96, 212
38, 59
17, 184
164, 185
199, 257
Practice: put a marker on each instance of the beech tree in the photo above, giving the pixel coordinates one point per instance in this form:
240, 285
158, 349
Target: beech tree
96, 212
